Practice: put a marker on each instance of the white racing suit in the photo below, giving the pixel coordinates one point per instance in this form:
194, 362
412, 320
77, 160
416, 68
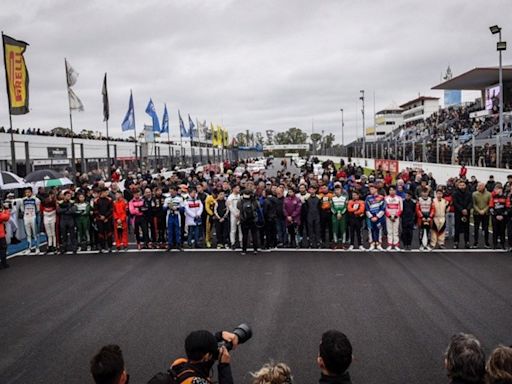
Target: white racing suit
30, 208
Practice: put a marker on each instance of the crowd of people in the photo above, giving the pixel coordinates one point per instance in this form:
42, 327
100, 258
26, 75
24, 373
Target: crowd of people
62, 132
319, 207
445, 137
464, 361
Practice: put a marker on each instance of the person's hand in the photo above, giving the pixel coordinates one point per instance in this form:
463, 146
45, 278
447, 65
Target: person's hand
464, 212
224, 356
499, 217
373, 219
338, 216
118, 221
230, 337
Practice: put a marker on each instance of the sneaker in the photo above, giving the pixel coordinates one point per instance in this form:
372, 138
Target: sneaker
389, 248
487, 245
427, 248
379, 247
351, 248
467, 245
422, 248
219, 246
208, 245
397, 248
474, 246
242, 253
442, 246
362, 248
455, 245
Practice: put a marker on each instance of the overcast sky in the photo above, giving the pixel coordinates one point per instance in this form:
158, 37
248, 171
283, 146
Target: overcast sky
253, 65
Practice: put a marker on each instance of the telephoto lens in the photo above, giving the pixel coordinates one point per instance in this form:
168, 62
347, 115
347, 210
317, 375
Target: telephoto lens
243, 332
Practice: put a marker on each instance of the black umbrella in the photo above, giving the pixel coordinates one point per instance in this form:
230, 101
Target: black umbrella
43, 174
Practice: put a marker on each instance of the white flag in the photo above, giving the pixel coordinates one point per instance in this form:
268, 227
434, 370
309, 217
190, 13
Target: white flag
71, 74
74, 101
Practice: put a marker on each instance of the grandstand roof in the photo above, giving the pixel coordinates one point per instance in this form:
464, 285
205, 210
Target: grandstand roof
420, 98
477, 78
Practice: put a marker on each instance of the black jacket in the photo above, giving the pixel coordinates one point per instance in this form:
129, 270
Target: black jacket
462, 200
409, 213
339, 379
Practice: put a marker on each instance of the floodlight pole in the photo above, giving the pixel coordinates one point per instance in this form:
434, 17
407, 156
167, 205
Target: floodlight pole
342, 132
364, 130
498, 151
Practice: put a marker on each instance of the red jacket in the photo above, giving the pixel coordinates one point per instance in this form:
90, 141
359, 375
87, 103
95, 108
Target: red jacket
120, 207
4, 218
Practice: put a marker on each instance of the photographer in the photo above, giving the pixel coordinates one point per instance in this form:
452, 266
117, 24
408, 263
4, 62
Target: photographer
107, 366
203, 349
334, 358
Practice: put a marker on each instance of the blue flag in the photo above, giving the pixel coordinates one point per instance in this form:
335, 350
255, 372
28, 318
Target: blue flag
129, 120
183, 131
191, 128
165, 121
150, 110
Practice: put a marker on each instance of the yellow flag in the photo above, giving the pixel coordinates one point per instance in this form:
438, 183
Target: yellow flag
16, 75
225, 138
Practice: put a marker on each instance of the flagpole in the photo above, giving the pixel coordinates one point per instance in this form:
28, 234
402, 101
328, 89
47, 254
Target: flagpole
137, 164
73, 164
108, 139
13, 147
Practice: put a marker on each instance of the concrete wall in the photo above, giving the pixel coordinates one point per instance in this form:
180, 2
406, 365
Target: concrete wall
441, 172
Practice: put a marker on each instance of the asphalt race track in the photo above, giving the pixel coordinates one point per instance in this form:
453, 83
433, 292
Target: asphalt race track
399, 309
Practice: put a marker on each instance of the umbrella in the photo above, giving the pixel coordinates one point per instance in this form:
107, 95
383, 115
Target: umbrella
9, 180
42, 175
47, 182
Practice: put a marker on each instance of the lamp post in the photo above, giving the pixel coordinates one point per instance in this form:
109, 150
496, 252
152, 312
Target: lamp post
500, 46
364, 129
342, 132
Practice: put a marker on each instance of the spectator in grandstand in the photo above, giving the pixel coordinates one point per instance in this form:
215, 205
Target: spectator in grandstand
334, 358
273, 373
465, 360
499, 366
107, 366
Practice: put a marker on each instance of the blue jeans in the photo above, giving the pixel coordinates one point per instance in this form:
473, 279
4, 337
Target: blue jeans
281, 231
193, 232
173, 230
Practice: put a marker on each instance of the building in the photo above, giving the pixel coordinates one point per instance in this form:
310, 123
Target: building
419, 108
386, 121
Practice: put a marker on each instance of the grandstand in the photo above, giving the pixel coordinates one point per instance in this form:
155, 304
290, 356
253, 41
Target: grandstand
453, 135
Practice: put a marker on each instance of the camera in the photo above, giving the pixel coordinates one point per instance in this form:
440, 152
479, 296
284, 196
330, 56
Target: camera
243, 332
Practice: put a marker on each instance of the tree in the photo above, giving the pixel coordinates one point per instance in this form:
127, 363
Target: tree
259, 138
291, 136
329, 141
241, 139
297, 136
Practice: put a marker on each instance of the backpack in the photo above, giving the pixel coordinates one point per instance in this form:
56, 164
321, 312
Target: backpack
248, 210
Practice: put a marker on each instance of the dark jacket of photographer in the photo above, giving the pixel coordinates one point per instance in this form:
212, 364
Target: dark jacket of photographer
338, 379
199, 373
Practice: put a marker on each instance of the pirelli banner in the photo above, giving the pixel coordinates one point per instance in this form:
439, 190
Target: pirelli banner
16, 75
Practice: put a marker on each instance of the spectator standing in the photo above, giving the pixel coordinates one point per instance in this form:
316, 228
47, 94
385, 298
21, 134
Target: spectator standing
481, 200
462, 202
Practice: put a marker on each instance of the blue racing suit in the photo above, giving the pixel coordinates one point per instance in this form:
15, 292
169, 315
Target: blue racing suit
173, 206
375, 206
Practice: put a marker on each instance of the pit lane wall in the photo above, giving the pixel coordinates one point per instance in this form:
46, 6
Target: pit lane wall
440, 172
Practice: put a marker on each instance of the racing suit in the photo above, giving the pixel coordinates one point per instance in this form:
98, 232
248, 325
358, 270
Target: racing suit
375, 207
339, 217
30, 207
394, 208
172, 205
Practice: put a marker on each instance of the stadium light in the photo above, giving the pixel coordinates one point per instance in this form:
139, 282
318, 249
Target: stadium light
495, 29
500, 46
342, 130
364, 129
